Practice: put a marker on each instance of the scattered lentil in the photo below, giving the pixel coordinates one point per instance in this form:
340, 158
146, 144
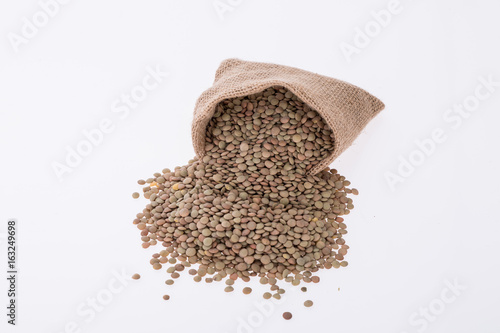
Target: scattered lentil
249, 207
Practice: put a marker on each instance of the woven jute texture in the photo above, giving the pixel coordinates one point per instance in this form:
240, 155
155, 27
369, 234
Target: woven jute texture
346, 108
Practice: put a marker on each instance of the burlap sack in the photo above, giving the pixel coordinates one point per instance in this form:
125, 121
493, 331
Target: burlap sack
346, 108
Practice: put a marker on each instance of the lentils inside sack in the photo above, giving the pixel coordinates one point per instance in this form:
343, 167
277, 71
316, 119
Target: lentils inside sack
249, 207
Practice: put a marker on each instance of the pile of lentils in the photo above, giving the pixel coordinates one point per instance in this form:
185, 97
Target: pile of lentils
249, 207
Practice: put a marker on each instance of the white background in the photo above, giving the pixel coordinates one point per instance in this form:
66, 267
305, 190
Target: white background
440, 224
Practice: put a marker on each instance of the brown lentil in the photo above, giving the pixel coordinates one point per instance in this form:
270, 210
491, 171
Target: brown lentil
248, 207
247, 290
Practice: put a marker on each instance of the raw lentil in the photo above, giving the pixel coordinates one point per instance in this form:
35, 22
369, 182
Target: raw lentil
249, 207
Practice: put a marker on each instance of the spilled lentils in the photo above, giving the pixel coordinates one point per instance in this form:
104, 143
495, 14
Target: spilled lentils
249, 208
